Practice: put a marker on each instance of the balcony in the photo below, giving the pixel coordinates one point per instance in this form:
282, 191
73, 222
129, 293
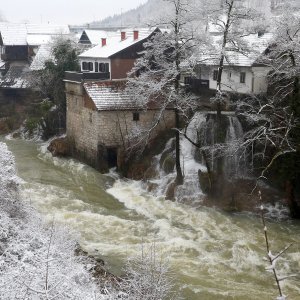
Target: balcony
3, 56
196, 85
79, 77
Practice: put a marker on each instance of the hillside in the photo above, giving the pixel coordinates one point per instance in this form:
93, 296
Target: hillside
154, 10
142, 15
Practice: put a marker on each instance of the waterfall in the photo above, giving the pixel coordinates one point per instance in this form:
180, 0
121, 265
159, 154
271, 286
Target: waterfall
191, 189
220, 139
235, 160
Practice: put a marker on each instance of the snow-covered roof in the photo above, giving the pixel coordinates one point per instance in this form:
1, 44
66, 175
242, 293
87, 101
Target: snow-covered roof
110, 95
95, 36
13, 34
15, 77
45, 29
43, 54
114, 44
38, 39
2, 63
18, 34
255, 46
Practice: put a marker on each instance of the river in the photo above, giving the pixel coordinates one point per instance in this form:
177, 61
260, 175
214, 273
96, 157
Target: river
215, 255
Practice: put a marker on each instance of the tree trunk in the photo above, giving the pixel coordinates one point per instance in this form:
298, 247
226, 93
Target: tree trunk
179, 176
291, 201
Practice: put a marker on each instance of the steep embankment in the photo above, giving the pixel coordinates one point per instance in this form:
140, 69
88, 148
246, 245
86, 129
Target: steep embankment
36, 261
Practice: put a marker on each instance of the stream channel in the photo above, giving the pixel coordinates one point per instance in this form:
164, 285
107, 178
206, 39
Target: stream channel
214, 254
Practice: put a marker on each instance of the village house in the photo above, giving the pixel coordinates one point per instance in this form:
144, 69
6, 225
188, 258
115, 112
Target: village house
116, 54
19, 44
102, 119
92, 37
243, 72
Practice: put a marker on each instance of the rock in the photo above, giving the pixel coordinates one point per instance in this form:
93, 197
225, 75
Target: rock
3, 127
204, 181
150, 173
170, 193
168, 164
59, 147
152, 186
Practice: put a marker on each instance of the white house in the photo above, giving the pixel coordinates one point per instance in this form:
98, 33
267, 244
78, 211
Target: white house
243, 72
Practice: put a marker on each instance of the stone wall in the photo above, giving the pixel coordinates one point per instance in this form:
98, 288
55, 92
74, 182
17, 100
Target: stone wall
91, 132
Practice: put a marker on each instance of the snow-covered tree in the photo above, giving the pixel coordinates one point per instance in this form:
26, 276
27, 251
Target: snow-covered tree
49, 82
159, 69
275, 119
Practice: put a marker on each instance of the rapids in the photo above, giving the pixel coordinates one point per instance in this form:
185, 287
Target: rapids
214, 255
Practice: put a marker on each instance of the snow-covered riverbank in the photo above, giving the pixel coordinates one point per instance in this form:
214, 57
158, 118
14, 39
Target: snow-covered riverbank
36, 261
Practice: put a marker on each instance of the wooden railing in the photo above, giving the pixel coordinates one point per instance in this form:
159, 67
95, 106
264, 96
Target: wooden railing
79, 77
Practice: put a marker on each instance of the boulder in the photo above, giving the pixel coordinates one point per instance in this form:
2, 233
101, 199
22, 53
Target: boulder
59, 147
168, 164
170, 193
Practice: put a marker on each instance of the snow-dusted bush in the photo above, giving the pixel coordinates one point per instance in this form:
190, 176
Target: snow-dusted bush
148, 277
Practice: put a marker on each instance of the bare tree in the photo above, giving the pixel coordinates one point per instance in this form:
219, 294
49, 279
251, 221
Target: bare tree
275, 119
273, 259
159, 69
233, 20
148, 277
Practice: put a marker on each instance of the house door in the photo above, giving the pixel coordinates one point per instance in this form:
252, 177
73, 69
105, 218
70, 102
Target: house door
112, 157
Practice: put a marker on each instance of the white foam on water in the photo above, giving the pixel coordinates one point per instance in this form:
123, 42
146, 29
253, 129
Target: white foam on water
215, 255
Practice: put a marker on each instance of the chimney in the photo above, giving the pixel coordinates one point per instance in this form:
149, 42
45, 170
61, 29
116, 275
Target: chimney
123, 35
135, 35
103, 42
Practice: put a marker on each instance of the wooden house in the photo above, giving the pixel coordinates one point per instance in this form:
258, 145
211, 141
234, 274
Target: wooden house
116, 53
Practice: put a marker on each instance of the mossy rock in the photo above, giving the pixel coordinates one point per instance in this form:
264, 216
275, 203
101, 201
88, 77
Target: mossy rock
152, 186
59, 147
170, 193
150, 173
166, 153
204, 181
168, 164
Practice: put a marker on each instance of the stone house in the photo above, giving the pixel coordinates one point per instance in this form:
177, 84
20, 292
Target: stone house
102, 120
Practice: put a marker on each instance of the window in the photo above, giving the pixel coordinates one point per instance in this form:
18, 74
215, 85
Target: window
103, 67
85, 66
91, 117
242, 77
187, 80
215, 75
135, 116
96, 67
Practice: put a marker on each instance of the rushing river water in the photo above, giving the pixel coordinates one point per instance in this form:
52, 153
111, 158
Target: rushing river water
215, 255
